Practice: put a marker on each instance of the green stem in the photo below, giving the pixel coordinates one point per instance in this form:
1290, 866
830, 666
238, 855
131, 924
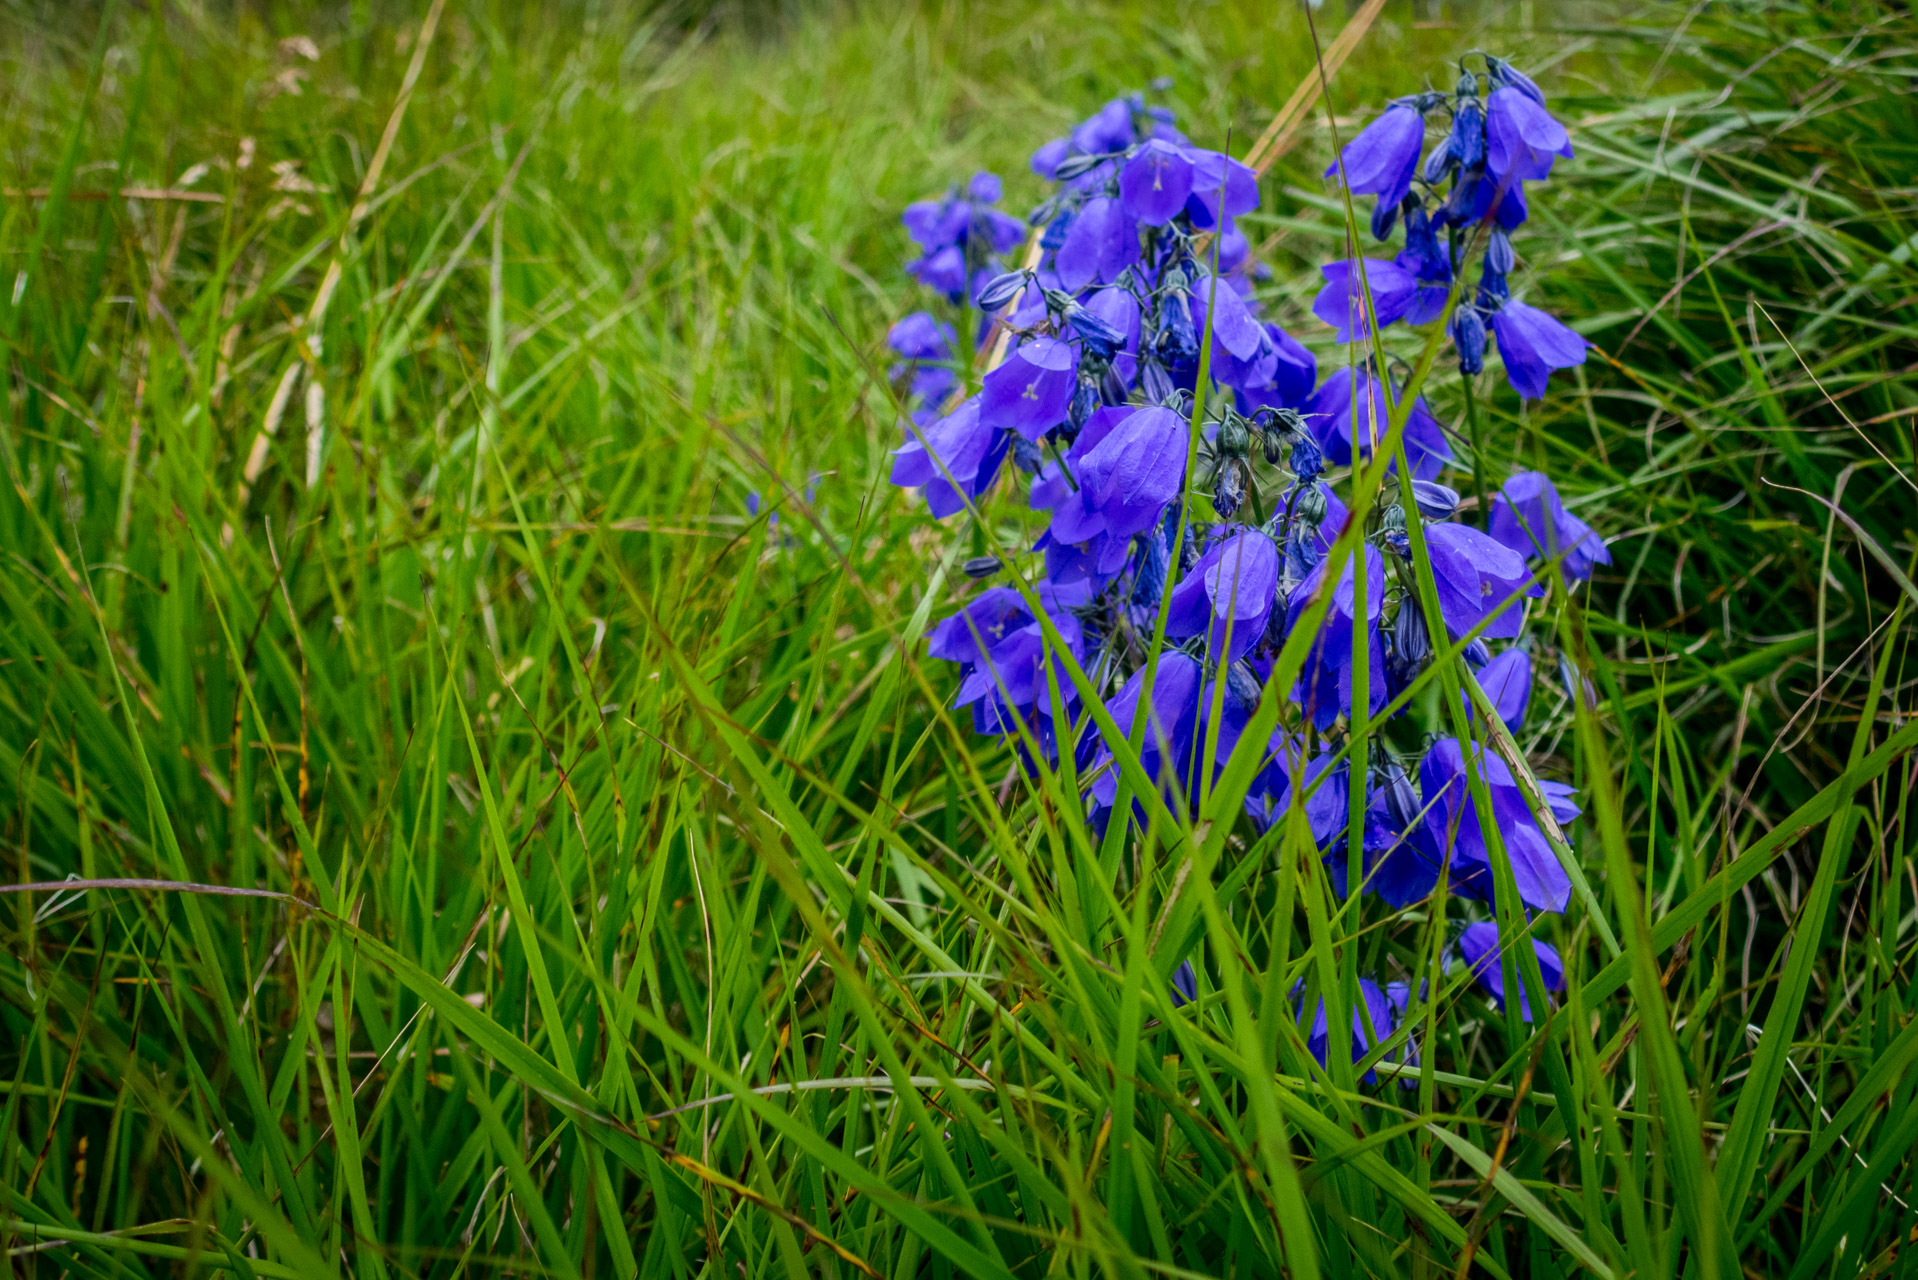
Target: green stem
1478, 447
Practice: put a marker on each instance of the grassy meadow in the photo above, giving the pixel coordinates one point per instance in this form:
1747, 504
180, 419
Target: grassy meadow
581, 874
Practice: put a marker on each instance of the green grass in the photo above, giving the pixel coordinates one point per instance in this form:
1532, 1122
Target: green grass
627, 902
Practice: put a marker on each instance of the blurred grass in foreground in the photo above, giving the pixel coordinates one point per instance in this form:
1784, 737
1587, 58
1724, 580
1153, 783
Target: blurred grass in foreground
661, 921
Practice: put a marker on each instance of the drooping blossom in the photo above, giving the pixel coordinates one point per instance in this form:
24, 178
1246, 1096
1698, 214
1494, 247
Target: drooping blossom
1478, 944
1478, 577
1325, 687
1381, 159
956, 458
926, 348
1452, 826
1228, 595
1529, 517
1522, 139
1342, 302
1031, 392
1533, 344
1350, 408
1507, 682
1374, 1019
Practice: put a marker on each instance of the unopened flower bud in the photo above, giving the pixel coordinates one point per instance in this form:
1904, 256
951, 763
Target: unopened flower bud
1468, 335
1000, 290
982, 566
1435, 501
1234, 438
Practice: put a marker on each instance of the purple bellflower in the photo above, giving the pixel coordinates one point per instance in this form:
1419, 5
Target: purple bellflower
1002, 650
956, 458
959, 233
1031, 392
1228, 595
1533, 343
1155, 183
1101, 243
1478, 577
1318, 785
1222, 189
1342, 305
1295, 371
1381, 159
1325, 684
1507, 682
1529, 517
926, 347
1373, 1022
1172, 719
1452, 827
1242, 351
1479, 946
1522, 139
1185, 984
1351, 408
1129, 464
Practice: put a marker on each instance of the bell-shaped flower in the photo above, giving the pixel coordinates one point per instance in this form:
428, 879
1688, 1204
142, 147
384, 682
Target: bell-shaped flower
1228, 595
1373, 1022
1521, 138
1316, 784
985, 621
1155, 182
942, 270
1032, 390
1171, 720
934, 224
1342, 302
1507, 682
1473, 192
1532, 344
1101, 243
1119, 309
1381, 159
1185, 984
1110, 128
1325, 687
1396, 865
1478, 577
1003, 646
926, 347
1529, 517
1222, 189
1242, 351
1427, 260
1295, 370
1351, 408
1452, 827
1479, 946
956, 458
1129, 463
1505, 74
1468, 338
1467, 139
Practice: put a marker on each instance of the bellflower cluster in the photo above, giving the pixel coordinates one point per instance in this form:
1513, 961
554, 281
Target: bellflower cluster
1187, 462
1470, 189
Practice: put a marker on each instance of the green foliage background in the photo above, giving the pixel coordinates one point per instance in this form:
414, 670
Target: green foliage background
625, 902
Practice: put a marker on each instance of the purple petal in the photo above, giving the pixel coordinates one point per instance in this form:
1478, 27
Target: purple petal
1341, 303
1381, 159
1156, 182
1031, 391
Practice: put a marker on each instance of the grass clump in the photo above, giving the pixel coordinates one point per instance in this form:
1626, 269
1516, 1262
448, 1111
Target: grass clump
618, 895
